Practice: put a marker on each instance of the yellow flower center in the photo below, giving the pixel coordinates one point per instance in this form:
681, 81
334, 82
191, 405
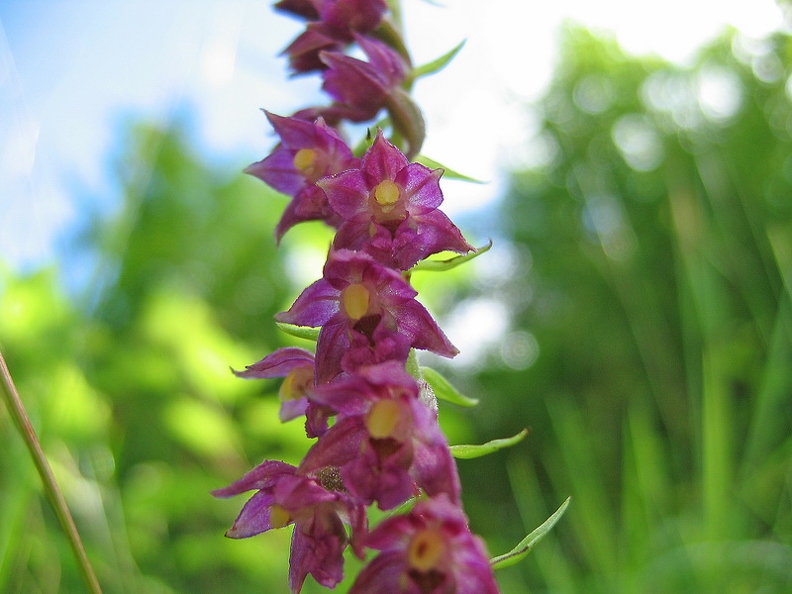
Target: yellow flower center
426, 550
382, 419
355, 300
279, 517
296, 383
386, 193
304, 160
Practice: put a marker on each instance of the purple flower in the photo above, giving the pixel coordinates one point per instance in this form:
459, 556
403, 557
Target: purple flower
390, 208
334, 23
343, 16
381, 345
386, 441
307, 152
296, 366
360, 89
304, 52
318, 513
428, 551
361, 16
359, 295
306, 9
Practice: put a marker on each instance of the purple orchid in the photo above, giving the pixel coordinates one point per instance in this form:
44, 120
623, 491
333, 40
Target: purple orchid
306, 9
305, 51
307, 152
386, 441
381, 345
296, 366
342, 15
390, 208
357, 294
428, 551
333, 26
360, 89
318, 513
378, 439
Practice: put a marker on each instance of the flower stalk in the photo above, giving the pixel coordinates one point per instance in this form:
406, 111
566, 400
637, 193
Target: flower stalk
22, 422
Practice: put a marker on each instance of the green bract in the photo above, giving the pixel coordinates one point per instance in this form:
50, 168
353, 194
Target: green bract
448, 173
529, 542
299, 331
476, 451
436, 65
443, 390
441, 265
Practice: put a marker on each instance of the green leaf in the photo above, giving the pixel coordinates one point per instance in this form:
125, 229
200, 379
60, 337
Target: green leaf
527, 544
476, 451
441, 265
448, 173
437, 64
443, 389
299, 331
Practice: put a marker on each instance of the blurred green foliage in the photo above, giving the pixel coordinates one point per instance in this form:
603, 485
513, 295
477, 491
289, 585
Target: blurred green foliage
131, 390
649, 349
654, 246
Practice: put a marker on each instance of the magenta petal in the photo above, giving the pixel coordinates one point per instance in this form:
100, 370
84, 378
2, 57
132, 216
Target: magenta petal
380, 575
385, 481
354, 15
353, 82
474, 573
416, 323
363, 85
277, 170
298, 492
295, 133
422, 187
439, 233
348, 395
338, 446
389, 345
347, 194
278, 364
314, 307
254, 517
433, 467
263, 476
390, 374
296, 212
415, 239
331, 345
301, 8
291, 409
317, 553
383, 160
355, 236
388, 64
304, 51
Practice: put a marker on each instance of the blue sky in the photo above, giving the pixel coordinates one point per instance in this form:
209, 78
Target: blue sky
71, 72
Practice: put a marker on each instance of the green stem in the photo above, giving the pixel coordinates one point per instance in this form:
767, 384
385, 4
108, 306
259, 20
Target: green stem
21, 420
396, 15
